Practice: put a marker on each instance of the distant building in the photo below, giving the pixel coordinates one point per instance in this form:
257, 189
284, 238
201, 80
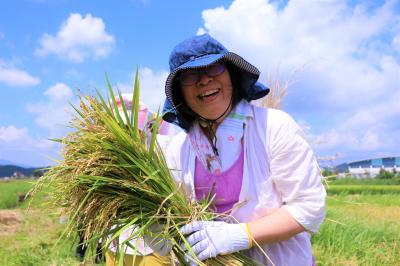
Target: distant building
18, 174
368, 168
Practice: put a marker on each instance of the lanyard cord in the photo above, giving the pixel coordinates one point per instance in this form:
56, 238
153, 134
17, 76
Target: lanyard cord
212, 135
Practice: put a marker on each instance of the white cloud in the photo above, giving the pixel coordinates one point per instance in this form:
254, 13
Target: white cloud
347, 53
396, 42
54, 113
13, 136
18, 146
73, 74
367, 124
15, 77
151, 87
78, 38
2, 35
11, 133
59, 92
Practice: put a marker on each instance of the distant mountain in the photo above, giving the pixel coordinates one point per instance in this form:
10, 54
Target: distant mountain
5, 162
9, 170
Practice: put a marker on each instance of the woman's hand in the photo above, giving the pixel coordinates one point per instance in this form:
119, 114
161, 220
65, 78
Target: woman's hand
209, 239
156, 242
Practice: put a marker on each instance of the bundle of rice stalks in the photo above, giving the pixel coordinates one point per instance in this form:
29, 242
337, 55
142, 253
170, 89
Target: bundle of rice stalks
113, 176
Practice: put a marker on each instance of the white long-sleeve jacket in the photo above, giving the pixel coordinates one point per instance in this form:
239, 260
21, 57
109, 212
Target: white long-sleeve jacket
280, 170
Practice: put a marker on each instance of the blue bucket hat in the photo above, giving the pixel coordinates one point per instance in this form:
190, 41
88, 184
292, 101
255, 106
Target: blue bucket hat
198, 52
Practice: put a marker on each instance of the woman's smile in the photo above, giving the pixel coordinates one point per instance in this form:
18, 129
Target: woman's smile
208, 94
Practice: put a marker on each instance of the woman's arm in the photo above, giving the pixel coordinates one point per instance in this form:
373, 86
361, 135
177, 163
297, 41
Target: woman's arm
296, 177
276, 227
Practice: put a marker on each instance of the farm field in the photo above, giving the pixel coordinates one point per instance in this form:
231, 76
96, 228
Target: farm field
28, 236
361, 228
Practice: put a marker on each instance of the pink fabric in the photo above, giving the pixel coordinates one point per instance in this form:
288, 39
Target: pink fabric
143, 110
165, 128
145, 116
226, 186
204, 151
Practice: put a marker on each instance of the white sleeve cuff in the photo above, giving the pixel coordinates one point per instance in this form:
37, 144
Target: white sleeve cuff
311, 225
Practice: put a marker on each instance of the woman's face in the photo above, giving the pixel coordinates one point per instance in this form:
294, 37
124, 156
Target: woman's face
207, 91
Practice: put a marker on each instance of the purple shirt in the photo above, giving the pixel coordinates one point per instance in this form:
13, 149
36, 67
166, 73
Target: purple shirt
226, 186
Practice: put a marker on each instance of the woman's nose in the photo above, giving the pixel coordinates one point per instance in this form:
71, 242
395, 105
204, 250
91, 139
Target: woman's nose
204, 78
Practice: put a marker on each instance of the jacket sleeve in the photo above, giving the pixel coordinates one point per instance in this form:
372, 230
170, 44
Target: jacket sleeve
172, 153
177, 158
295, 171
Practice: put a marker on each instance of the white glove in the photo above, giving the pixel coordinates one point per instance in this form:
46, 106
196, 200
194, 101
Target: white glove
209, 239
158, 244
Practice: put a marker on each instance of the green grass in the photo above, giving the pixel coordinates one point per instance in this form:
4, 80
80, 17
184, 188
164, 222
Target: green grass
364, 181
10, 190
33, 242
363, 189
355, 200
359, 230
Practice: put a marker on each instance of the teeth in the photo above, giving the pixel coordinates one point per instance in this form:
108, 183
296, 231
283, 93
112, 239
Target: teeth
207, 93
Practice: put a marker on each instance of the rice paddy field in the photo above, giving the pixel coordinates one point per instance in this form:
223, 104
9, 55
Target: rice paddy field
362, 226
28, 236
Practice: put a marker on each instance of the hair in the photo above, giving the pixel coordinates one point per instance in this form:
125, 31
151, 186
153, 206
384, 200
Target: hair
187, 113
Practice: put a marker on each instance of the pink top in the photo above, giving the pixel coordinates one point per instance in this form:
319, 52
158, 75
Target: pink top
226, 186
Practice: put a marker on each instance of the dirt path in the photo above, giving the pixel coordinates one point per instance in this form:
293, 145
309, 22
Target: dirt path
10, 221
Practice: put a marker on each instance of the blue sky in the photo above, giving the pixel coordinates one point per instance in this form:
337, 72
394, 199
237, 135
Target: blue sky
342, 59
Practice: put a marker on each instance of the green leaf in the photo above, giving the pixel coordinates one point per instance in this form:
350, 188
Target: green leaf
114, 102
135, 100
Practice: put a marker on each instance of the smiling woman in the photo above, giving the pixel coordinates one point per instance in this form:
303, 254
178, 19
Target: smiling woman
254, 163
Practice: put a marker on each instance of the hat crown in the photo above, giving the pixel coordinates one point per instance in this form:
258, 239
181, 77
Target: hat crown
193, 48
